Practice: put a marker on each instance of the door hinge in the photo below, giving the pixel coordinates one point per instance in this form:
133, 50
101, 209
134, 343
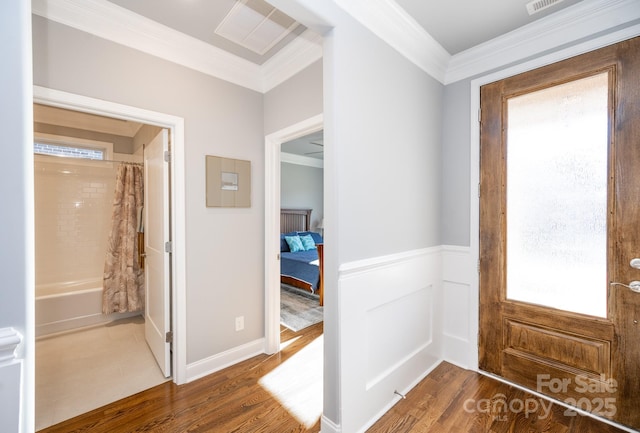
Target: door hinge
167, 156
168, 337
278, 256
168, 247
478, 189
478, 267
479, 115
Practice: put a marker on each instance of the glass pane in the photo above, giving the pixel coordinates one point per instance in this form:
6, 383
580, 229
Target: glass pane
557, 196
67, 151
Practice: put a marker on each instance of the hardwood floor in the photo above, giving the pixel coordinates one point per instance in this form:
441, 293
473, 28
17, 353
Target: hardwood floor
451, 399
231, 400
236, 399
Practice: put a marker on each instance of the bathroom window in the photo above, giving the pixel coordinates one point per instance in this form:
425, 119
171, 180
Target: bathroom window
72, 147
67, 151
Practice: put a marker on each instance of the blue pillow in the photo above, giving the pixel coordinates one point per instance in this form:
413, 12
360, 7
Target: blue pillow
307, 242
284, 246
295, 244
317, 238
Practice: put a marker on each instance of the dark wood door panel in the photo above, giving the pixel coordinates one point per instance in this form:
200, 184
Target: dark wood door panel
573, 357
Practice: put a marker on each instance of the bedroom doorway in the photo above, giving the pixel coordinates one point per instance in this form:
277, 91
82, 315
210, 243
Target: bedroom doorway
273, 172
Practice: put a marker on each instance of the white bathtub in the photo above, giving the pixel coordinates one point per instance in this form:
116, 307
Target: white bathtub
71, 305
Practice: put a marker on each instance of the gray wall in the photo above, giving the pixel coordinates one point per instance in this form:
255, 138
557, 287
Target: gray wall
386, 132
297, 99
455, 164
301, 187
220, 119
382, 152
457, 116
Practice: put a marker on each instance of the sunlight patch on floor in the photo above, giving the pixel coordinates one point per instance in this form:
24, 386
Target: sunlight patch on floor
297, 383
287, 343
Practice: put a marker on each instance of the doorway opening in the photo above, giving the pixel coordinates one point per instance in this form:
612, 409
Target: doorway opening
273, 202
132, 327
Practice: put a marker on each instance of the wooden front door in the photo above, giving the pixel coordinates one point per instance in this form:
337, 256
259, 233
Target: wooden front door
559, 228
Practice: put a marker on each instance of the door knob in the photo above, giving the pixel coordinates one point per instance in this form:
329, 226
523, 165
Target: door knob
635, 263
634, 286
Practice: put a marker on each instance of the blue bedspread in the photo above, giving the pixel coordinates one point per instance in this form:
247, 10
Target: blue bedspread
302, 265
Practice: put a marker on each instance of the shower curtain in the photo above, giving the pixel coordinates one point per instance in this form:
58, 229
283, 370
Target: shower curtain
123, 280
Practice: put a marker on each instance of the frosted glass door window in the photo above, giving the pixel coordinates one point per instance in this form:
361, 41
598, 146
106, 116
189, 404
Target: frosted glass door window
557, 146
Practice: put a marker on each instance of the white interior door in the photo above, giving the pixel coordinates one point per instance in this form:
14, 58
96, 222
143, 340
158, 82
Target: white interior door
157, 264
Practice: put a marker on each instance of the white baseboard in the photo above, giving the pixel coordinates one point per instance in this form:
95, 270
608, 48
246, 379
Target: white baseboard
328, 426
206, 366
61, 326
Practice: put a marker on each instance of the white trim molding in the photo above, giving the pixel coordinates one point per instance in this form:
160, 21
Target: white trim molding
293, 58
175, 124
392, 24
10, 339
301, 160
328, 426
387, 20
567, 26
272, 164
117, 24
204, 367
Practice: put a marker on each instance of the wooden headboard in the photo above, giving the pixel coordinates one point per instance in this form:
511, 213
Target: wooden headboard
295, 220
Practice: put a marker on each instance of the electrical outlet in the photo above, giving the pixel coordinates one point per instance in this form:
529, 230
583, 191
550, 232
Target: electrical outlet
239, 323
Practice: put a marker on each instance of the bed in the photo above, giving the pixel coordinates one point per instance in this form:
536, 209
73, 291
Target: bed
302, 269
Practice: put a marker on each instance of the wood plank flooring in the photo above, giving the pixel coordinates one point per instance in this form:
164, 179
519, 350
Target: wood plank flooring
231, 400
449, 400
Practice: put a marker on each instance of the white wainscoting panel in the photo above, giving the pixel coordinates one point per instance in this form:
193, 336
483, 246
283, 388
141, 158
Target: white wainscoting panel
390, 331
459, 307
10, 380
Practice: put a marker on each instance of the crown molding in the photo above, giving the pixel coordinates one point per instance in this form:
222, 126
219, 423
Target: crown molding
301, 160
117, 24
385, 18
392, 24
293, 58
567, 26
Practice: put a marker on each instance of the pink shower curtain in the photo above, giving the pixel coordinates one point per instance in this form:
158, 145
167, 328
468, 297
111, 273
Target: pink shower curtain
123, 280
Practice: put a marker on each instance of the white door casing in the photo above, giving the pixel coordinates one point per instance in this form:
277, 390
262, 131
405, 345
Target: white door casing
157, 322
272, 224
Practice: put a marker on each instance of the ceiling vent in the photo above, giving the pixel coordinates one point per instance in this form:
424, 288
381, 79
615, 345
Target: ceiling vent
539, 5
256, 25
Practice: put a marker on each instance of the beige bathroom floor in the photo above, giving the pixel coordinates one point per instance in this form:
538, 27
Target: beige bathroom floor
83, 370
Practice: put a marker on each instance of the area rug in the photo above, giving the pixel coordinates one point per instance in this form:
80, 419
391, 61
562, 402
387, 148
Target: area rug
298, 310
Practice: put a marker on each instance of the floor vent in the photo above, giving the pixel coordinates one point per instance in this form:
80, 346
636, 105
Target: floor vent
538, 5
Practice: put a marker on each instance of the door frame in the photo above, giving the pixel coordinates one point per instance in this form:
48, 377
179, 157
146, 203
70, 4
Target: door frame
175, 125
272, 224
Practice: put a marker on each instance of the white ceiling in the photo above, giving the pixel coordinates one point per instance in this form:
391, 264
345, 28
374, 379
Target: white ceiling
462, 24
311, 146
456, 25
201, 18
